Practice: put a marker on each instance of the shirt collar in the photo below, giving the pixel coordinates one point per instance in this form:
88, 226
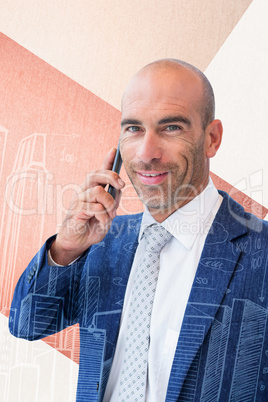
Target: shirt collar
186, 223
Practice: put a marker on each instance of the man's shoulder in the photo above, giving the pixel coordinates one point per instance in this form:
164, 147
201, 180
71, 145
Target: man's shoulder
232, 213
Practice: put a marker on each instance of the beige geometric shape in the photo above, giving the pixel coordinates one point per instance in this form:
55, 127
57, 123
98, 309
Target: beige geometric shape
34, 371
101, 44
238, 75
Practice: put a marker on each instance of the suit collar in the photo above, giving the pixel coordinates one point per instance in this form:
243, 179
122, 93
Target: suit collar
230, 220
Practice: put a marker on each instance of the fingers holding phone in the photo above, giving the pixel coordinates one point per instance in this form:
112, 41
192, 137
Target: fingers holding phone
91, 215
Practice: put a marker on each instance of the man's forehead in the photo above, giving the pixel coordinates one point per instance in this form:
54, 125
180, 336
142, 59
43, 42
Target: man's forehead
133, 106
158, 90
136, 103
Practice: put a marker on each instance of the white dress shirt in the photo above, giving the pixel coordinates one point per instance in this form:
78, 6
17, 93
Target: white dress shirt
179, 259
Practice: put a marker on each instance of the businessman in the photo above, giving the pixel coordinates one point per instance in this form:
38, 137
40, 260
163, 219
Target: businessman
172, 303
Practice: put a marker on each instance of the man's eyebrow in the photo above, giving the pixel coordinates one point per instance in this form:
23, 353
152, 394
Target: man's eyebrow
165, 120
130, 121
175, 119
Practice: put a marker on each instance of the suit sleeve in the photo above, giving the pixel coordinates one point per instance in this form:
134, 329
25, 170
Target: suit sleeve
46, 297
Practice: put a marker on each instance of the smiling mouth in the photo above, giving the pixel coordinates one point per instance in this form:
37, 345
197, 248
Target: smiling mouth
153, 179
151, 174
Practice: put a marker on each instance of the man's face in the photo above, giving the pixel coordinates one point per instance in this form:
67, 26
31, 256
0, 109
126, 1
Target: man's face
163, 144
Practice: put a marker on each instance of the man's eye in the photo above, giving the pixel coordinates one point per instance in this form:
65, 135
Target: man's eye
173, 127
133, 129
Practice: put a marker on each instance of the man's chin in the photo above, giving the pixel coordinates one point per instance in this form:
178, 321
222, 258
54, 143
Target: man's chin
156, 206
151, 202
154, 198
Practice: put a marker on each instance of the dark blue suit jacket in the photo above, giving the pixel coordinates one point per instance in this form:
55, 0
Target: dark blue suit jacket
222, 351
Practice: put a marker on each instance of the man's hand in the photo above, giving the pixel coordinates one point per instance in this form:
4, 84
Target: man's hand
90, 216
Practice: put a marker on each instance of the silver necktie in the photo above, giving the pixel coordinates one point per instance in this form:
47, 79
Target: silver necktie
134, 371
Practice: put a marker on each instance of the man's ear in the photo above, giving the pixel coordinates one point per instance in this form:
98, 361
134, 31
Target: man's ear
214, 135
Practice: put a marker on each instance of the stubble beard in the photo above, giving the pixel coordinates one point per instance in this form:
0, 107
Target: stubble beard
168, 196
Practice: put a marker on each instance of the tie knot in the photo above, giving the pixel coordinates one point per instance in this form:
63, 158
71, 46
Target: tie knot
156, 237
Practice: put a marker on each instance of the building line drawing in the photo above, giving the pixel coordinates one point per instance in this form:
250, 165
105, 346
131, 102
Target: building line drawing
26, 363
245, 364
244, 318
3, 142
26, 184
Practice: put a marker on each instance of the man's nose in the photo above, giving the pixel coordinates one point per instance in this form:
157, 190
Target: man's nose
149, 147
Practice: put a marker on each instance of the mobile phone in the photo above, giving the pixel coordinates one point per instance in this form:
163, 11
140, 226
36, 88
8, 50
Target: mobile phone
116, 168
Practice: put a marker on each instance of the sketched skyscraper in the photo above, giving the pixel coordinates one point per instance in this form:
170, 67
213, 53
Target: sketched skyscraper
247, 368
3, 140
24, 210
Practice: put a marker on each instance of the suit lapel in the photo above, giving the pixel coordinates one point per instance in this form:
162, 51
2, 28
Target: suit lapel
218, 261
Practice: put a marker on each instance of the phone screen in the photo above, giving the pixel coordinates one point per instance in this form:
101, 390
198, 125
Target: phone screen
116, 168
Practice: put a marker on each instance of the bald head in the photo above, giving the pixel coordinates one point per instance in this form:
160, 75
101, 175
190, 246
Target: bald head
205, 99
